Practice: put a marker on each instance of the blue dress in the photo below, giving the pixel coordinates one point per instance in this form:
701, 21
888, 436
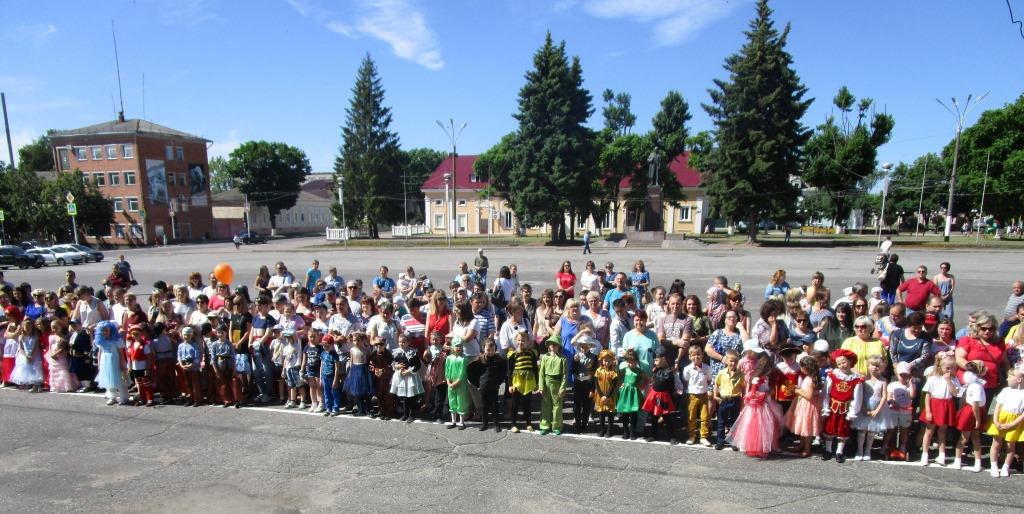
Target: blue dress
110, 375
947, 310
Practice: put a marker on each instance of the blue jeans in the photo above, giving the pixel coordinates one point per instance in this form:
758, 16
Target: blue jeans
728, 410
262, 371
332, 395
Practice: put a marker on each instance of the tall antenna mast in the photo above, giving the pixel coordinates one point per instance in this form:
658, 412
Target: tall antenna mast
143, 95
117, 63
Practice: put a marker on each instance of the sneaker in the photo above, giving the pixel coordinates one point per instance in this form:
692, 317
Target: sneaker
976, 468
840, 458
319, 408
704, 441
289, 405
866, 458
924, 460
994, 472
558, 432
302, 405
719, 446
691, 442
514, 430
450, 425
956, 464
858, 457
1004, 471
544, 431
111, 401
462, 426
529, 428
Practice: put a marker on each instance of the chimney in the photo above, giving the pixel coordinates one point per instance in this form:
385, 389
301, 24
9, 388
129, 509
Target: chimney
120, 116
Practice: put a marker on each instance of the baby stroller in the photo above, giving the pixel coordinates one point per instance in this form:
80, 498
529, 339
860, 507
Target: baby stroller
882, 259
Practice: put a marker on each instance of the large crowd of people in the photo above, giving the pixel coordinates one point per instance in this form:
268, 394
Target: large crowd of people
868, 373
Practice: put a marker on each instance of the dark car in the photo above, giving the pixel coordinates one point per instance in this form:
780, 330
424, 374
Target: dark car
15, 256
251, 238
92, 255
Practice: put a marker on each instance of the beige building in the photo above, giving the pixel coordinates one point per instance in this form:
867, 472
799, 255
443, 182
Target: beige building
311, 213
454, 188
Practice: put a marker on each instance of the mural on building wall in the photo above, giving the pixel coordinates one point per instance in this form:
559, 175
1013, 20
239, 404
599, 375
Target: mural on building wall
157, 176
197, 184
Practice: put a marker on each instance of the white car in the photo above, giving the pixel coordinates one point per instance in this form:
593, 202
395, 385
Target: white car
71, 250
57, 256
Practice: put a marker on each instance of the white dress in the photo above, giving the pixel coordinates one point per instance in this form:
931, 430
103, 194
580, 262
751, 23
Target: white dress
872, 398
25, 372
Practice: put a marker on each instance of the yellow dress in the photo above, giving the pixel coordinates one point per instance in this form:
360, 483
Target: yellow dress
1011, 402
606, 383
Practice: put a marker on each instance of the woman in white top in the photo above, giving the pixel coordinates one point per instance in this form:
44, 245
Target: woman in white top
183, 304
465, 329
589, 279
514, 324
89, 311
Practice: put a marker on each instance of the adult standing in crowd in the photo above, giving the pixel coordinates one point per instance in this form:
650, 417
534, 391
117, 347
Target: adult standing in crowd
946, 283
914, 293
983, 344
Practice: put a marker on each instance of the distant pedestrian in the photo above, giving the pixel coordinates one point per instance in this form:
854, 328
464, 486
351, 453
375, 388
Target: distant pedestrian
237, 240
789, 232
586, 243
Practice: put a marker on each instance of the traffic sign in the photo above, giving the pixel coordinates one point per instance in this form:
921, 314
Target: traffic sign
70, 197
1, 214
72, 209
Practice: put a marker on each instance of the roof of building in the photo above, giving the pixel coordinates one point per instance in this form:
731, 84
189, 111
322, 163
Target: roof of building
234, 198
319, 187
686, 175
463, 173
134, 126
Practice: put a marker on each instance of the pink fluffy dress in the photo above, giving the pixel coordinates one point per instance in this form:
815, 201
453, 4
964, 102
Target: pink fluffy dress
759, 425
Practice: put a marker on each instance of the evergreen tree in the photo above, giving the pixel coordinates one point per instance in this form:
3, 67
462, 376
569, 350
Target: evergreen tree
554, 152
370, 163
841, 157
617, 114
669, 139
758, 133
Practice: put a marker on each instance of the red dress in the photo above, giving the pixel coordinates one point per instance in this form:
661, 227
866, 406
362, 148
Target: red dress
786, 384
840, 396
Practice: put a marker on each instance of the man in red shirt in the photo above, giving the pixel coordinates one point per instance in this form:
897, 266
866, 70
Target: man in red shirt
914, 293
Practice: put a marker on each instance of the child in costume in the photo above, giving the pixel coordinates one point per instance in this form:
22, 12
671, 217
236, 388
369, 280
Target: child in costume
840, 403
659, 403
522, 385
554, 377
10, 352
1007, 426
606, 387
28, 365
358, 384
406, 384
759, 425
61, 378
971, 416
875, 417
633, 381
490, 370
902, 393
803, 418
584, 365
697, 377
380, 367
434, 358
788, 377
455, 367
140, 362
112, 366
939, 412
728, 393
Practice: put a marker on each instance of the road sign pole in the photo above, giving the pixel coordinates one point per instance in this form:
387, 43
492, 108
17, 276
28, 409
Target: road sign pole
74, 228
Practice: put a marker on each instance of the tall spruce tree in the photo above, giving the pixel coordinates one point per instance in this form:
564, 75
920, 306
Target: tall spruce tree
370, 163
758, 133
841, 156
554, 153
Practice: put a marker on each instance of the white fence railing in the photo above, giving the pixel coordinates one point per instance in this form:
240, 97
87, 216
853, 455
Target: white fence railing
408, 230
342, 234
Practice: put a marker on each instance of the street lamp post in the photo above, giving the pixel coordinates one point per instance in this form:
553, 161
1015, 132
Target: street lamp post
885, 193
453, 136
959, 116
447, 211
341, 202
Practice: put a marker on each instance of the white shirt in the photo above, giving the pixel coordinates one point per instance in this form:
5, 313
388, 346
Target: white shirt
937, 387
698, 381
507, 334
618, 330
508, 288
470, 347
1011, 400
590, 281
900, 396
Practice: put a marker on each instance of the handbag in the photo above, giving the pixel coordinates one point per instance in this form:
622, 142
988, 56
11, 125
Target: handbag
498, 297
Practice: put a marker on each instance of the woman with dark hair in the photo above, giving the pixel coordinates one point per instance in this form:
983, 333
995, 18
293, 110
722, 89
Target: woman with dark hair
262, 278
838, 328
769, 331
565, 279
700, 323
734, 302
677, 287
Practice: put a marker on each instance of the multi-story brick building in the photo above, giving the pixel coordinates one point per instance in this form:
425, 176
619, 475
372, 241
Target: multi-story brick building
156, 177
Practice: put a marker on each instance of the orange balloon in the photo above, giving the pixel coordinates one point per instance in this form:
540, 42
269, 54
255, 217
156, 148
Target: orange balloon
224, 273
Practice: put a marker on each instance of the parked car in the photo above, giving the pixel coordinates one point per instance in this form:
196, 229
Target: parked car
30, 244
71, 250
16, 256
251, 238
57, 256
91, 253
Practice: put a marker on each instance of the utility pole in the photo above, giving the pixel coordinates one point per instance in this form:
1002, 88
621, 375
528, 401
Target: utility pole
405, 205
7, 130
920, 202
453, 136
885, 193
341, 201
984, 189
955, 111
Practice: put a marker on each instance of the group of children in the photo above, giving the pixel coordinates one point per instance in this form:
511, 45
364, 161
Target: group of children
805, 397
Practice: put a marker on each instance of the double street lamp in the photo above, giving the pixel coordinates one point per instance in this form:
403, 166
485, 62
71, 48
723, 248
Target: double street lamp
959, 116
453, 136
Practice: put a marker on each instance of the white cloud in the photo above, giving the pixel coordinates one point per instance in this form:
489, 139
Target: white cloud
224, 147
674, 21
37, 31
186, 13
399, 23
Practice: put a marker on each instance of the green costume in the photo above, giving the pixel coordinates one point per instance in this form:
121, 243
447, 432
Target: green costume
458, 396
554, 377
629, 396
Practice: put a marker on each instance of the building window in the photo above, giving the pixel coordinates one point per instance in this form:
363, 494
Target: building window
474, 178
119, 231
684, 213
99, 179
169, 152
179, 153
136, 230
127, 151
97, 153
438, 202
462, 203
606, 220
118, 204
508, 220
80, 153
111, 151
581, 223
439, 221
65, 163
115, 178
183, 202
129, 178
133, 203
462, 222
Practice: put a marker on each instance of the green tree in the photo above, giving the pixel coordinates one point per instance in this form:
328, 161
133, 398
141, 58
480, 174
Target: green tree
271, 174
220, 180
621, 157
815, 205
669, 139
19, 192
95, 212
419, 163
554, 152
495, 166
370, 163
37, 155
998, 137
907, 191
758, 133
617, 114
841, 156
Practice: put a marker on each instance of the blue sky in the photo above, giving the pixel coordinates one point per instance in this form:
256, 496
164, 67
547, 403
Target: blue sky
282, 70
